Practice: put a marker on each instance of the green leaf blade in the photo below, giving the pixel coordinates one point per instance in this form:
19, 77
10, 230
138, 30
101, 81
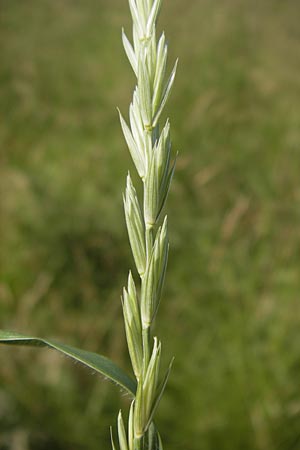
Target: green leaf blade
97, 362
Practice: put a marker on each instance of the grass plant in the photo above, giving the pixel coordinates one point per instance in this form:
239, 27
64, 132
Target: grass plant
233, 274
150, 148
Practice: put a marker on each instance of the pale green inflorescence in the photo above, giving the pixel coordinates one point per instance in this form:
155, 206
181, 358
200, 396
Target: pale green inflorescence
150, 149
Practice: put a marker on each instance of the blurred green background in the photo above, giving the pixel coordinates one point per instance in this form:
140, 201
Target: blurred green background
231, 309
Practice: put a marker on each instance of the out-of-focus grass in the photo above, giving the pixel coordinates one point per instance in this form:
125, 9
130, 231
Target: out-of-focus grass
231, 312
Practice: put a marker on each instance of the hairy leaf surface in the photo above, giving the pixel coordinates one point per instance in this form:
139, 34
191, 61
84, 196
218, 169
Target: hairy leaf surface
95, 361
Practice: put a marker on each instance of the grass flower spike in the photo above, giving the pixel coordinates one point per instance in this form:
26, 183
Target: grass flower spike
150, 148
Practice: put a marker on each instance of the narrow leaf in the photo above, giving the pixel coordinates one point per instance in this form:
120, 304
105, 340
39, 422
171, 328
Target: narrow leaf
96, 362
